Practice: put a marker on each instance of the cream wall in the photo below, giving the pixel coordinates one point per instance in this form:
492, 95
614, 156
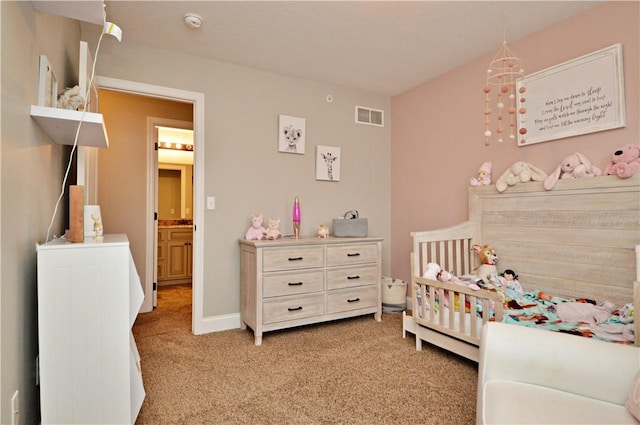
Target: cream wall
122, 168
244, 170
32, 168
437, 133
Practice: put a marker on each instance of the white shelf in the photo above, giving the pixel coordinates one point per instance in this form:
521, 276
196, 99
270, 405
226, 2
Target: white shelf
86, 11
62, 125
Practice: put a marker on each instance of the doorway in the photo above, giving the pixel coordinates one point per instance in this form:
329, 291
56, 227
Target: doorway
174, 148
196, 102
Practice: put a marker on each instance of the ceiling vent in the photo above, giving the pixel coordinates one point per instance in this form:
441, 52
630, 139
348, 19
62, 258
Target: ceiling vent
369, 116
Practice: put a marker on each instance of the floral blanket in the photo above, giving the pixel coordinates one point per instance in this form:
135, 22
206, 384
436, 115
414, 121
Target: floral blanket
575, 316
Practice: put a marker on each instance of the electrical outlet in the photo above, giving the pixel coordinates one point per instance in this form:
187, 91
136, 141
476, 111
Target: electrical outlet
211, 202
15, 408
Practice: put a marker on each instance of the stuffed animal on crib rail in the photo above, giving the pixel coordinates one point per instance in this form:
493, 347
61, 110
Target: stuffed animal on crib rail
256, 232
624, 162
572, 167
488, 260
431, 272
519, 172
273, 232
484, 176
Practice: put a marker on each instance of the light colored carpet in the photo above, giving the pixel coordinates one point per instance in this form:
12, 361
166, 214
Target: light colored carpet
352, 371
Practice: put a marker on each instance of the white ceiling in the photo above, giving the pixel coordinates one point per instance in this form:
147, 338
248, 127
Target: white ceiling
385, 47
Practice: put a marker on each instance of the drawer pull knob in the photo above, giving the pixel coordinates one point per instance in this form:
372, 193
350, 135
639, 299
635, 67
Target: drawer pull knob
353, 300
353, 277
357, 254
295, 258
295, 308
294, 283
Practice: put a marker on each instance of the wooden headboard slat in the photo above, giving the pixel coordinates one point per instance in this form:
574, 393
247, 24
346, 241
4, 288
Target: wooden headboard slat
578, 238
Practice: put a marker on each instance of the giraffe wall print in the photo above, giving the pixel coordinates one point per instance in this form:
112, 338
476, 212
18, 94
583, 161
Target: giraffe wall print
328, 163
328, 160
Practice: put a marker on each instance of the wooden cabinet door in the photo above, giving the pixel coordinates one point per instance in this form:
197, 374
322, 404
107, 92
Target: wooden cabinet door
178, 259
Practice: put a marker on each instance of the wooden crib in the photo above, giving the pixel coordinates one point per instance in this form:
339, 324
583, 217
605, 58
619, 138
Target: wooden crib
579, 240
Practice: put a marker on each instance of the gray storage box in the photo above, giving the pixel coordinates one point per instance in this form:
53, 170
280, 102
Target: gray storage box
350, 227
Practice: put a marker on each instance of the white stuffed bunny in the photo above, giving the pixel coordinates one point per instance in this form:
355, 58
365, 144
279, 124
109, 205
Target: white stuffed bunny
572, 167
431, 272
519, 172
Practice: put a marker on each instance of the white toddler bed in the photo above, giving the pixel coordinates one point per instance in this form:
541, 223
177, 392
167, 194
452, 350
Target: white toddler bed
579, 240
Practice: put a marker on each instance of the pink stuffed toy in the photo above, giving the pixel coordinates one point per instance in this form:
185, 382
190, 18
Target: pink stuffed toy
256, 232
624, 162
572, 167
484, 176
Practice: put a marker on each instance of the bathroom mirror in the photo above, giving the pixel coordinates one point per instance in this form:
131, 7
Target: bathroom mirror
175, 191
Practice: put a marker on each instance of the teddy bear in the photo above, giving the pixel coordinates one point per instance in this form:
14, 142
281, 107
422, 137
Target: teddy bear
256, 232
519, 172
624, 162
572, 167
273, 231
484, 176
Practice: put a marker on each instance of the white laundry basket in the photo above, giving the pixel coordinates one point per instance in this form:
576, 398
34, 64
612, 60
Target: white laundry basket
394, 295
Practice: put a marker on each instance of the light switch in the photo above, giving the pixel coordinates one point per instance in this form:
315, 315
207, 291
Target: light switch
211, 202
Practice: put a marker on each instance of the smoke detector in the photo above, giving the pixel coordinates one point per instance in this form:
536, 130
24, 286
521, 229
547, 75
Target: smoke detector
192, 20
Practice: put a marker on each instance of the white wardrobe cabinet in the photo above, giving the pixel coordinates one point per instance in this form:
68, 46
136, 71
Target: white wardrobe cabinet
89, 295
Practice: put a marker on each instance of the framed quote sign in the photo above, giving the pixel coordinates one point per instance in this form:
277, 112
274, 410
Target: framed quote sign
580, 96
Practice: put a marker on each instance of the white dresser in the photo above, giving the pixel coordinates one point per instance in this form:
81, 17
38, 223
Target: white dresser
293, 282
89, 295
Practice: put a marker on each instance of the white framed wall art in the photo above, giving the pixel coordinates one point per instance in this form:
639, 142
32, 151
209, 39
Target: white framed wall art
328, 163
580, 96
291, 134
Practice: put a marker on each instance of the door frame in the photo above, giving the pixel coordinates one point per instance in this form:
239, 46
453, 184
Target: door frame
197, 99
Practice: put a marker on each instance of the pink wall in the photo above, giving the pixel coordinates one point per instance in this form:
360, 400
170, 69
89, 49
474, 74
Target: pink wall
437, 140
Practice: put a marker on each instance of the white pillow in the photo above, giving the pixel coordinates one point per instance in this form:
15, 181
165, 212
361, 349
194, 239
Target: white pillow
633, 401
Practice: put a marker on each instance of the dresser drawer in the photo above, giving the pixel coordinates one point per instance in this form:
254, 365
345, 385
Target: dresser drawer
282, 310
352, 299
342, 255
352, 276
276, 285
302, 257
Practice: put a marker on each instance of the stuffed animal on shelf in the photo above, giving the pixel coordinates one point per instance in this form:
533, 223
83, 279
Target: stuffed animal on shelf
256, 232
572, 167
484, 176
70, 98
625, 162
519, 172
323, 231
488, 260
273, 231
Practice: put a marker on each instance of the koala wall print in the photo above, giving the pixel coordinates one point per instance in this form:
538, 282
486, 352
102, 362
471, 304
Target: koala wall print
291, 134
